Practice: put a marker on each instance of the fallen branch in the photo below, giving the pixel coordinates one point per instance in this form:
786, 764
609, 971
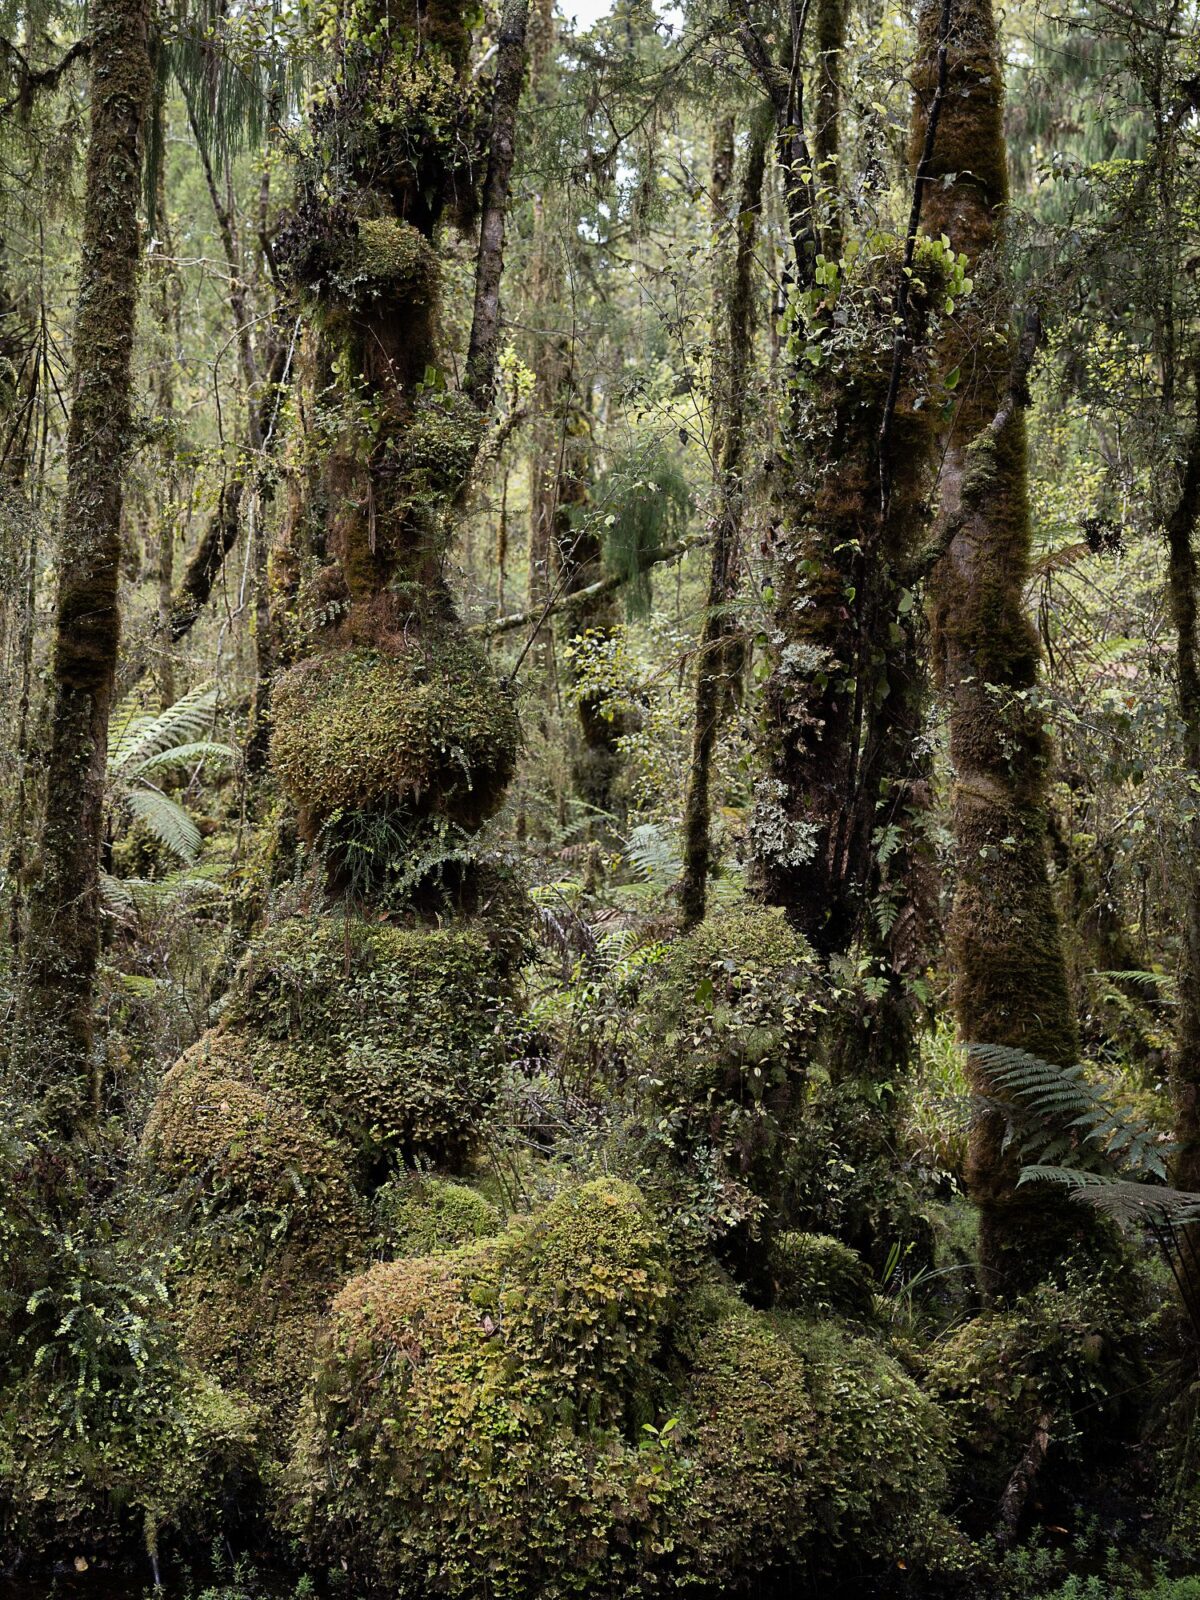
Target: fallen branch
1017, 1490
538, 614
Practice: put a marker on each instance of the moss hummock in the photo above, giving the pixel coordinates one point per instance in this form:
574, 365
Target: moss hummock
429, 728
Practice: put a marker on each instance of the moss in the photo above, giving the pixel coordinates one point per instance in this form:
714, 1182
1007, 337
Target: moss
727, 1022
429, 727
418, 1215
129, 1477
442, 1452
270, 1223
393, 1037
389, 250
446, 1449
584, 1290
1067, 1351
439, 445
813, 1273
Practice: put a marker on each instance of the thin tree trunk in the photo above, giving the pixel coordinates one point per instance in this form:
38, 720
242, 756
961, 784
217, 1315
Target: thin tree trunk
65, 921
717, 654
1011, 984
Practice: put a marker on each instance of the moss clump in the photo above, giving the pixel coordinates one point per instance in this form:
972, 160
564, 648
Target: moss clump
429, 727
389, 251
727, 1023
156, 1458
806, 1441
440, 443
417, 1215
813, 1273
1068, 1353
393, 1037
272, 1222
443, 1452
584, 1288
446, 1449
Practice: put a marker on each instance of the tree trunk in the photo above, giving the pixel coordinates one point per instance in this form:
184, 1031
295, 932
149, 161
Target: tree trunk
1011, 984
65, 919
717, 661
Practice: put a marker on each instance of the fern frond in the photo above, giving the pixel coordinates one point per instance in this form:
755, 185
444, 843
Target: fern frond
166, 820
139, 737
198, 752
1120, 1198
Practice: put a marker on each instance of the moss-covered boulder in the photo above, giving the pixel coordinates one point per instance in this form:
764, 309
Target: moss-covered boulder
428, 727
421, 1215
445, 1450
452, 1445
271, 1222
393, 1037
154, 1461
814, 1275
726, 1025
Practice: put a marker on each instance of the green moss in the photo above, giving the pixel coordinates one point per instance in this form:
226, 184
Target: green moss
442, 1451
419, 1215
130, 1476
439, 445
727, 1023
393, 1037
447, 1447
388, 250
270, 1223
429, 727
1067, 1352
813, 1273
584, 1289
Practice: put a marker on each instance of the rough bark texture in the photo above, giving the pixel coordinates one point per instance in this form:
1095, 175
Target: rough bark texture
65, 917
1011, 985
1181, 581
718, 659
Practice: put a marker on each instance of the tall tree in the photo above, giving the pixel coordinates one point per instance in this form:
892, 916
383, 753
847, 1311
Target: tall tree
1010, 984
65, 914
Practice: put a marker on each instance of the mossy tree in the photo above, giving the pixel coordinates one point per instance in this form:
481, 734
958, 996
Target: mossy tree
56, 1030
1011, 985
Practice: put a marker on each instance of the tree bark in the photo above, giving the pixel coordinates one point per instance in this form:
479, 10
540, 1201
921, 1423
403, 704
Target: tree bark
1011, 984
65, 917
717, 661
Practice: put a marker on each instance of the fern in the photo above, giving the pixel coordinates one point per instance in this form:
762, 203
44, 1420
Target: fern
1058, 1115
144, 745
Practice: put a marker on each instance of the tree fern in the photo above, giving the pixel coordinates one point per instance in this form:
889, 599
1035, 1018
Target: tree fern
144, 745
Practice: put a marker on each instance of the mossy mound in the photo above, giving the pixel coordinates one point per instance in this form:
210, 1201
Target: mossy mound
727, 1022
1068, 1355
388, 252
440, 443
272, 1224
444, 1453
814, 1274
451, 1446
418, 1215
393, 1037
584, 1288
159, 1458
430, 728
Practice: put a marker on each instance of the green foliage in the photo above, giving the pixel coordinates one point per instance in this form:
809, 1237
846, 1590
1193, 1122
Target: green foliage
392, 1037
813, 1274
728, 1017
643, 501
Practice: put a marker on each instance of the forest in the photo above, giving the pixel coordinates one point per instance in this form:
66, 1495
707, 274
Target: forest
600, 799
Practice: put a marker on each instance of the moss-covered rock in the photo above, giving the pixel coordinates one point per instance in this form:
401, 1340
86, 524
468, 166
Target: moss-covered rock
450, 1446
812, 1273
420, 1215
1068, 1354
392, 1036
444, 1453
429, 727
156, 1459
271, 1222
727, 1022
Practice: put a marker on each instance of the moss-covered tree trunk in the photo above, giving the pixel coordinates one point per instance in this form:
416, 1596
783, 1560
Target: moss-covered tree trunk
1011, 985
717, 661
65, 913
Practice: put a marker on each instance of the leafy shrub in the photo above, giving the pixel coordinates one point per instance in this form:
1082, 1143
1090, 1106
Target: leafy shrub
813, 1273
